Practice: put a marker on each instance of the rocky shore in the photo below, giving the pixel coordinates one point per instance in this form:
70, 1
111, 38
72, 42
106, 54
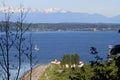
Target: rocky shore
36, 72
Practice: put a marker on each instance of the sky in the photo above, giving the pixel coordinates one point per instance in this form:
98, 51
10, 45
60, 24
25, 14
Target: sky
104, 7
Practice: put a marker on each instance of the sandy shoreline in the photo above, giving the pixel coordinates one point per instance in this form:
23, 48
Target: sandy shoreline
36, 72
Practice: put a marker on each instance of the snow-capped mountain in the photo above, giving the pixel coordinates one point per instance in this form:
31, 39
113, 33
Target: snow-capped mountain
55, 15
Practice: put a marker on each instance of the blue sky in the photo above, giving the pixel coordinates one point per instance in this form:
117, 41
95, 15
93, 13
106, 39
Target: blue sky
104, 7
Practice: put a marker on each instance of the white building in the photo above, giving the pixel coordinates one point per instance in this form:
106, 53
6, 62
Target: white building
55, 62
81, 64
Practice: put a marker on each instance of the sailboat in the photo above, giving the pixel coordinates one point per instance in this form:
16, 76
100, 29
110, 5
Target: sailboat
36, 48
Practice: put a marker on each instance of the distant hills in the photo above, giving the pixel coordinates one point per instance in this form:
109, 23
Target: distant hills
65, 17
67, 26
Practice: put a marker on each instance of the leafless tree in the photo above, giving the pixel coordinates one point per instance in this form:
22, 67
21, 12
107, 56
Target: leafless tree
6, 43
12, 40
31, 57
21, 44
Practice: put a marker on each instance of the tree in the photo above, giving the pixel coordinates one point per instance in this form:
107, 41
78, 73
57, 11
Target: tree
66, 59
115, 55
31, 58
93, 51
12, 40
70, 59
75, 59
20, 44
103, 70
6, 43
115, 50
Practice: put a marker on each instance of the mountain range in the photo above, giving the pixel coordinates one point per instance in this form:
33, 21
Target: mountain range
64, 17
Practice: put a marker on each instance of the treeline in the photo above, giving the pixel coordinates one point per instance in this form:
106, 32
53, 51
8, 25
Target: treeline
75, 27
70, 59
69, 26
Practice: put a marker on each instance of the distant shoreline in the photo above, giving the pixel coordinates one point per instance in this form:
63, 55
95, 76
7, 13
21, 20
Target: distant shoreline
36, 72
59, 27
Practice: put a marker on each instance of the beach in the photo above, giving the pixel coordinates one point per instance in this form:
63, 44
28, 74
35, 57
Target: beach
36, 72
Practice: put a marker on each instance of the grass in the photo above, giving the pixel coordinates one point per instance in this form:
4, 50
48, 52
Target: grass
54, 73
88, 72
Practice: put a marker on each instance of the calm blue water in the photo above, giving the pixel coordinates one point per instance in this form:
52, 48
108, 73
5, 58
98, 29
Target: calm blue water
55, 44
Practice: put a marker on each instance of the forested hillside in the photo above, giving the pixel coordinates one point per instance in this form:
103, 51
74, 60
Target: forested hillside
69, 26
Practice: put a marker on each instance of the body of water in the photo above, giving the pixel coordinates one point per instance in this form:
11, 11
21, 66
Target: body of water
53, 45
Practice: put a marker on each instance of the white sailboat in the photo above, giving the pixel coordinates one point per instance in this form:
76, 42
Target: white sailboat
36, 48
